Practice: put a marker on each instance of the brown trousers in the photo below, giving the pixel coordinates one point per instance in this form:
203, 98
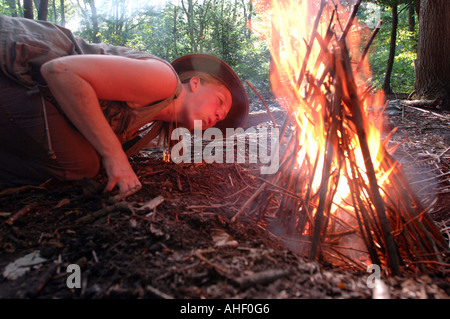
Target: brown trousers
32, 150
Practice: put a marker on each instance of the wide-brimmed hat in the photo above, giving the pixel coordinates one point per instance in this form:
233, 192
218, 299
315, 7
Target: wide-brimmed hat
220, 70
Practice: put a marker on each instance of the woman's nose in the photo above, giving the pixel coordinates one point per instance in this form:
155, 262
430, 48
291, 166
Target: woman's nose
220, 116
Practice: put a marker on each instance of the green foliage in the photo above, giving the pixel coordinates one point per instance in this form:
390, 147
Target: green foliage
176, 28
402, 79
11, 8
7, 10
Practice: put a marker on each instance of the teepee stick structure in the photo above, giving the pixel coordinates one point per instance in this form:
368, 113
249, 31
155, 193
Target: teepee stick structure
386, 216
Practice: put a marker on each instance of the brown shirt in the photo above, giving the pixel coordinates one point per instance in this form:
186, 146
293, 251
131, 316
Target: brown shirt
27, 44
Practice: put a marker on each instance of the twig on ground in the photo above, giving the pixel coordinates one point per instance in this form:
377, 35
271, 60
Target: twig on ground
16, 190
105, 211
11, 220
421, 103
261, 278
158, 293
429, 112
199, 254
248, 202
237, 193
48, 274
442, 154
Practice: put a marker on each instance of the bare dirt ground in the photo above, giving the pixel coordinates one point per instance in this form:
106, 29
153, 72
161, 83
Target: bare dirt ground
174, 238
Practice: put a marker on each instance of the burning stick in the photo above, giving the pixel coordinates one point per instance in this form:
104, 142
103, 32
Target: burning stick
375, 193
366, 49
264, 102
338, 180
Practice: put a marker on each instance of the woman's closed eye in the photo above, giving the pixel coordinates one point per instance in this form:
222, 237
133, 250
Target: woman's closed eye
223, 105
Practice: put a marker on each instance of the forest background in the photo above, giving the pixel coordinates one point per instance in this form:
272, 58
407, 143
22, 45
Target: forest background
172, 28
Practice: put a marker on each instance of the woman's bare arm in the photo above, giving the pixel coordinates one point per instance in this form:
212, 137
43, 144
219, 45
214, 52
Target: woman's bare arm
78, 82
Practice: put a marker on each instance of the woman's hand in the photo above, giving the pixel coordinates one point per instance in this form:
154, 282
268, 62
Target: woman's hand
121, 174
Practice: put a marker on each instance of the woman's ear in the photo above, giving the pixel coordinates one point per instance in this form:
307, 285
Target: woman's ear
194, 83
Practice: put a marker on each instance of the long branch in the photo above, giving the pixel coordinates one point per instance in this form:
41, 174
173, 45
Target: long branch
359, 122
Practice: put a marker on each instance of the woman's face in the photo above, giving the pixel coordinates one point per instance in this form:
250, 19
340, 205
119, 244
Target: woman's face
207, 102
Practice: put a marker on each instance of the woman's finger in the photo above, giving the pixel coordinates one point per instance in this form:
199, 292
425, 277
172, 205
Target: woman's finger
110, 186
127, 193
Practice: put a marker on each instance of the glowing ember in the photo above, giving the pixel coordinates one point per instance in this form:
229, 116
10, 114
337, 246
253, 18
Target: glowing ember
341, 181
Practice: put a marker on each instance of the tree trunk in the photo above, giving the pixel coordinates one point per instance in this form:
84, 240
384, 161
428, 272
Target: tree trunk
84, 12
28, 9
250, 9
432, 64
43, 10
95, 28
417, 6
412, 26
390, 64
63, 14
190, 20
175, 30
55, 14
411, 19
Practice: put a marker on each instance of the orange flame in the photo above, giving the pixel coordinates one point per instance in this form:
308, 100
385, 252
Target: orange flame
291, 24
302, 37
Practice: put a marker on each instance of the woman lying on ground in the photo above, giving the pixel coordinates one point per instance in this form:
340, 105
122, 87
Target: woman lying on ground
67, 107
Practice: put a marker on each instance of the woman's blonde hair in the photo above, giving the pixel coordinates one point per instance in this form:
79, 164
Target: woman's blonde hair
204, 77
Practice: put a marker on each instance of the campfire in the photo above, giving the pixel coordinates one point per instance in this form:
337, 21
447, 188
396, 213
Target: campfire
338, 195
